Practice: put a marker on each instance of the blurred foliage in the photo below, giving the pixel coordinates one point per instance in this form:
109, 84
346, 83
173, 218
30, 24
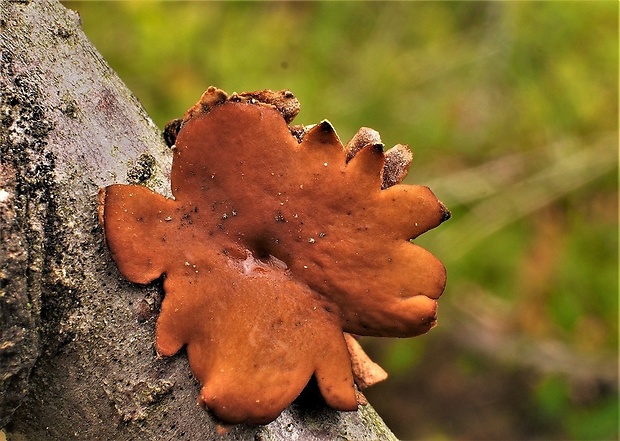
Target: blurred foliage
511, 109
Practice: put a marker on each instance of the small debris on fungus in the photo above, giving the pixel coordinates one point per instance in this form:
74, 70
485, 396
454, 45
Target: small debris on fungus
260, 307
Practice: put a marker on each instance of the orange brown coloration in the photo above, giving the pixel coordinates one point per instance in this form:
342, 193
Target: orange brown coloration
277, 240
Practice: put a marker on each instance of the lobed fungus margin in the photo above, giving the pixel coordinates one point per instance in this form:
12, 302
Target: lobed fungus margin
278, 239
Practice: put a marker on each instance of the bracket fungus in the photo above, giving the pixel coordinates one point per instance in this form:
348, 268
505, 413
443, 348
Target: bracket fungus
279, 242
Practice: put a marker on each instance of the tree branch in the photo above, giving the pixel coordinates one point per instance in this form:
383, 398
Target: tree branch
76, 340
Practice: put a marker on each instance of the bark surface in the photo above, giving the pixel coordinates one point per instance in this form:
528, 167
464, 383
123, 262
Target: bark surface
77, 357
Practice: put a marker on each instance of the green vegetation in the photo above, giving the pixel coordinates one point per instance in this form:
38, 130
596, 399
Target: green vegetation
511, 109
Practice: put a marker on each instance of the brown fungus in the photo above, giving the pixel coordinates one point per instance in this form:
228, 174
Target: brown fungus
277, 241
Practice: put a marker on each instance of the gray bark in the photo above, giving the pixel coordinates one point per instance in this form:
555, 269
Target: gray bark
77, 359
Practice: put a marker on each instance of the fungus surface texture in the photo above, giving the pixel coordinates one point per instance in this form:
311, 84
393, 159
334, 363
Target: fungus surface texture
277, 241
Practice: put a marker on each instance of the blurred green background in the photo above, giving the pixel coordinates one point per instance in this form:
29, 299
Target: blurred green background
511, 109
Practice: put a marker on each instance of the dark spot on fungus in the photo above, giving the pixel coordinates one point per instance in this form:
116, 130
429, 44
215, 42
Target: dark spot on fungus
171, 130
226, 288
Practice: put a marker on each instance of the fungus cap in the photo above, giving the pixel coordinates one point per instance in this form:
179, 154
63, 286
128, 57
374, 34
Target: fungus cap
278, 240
